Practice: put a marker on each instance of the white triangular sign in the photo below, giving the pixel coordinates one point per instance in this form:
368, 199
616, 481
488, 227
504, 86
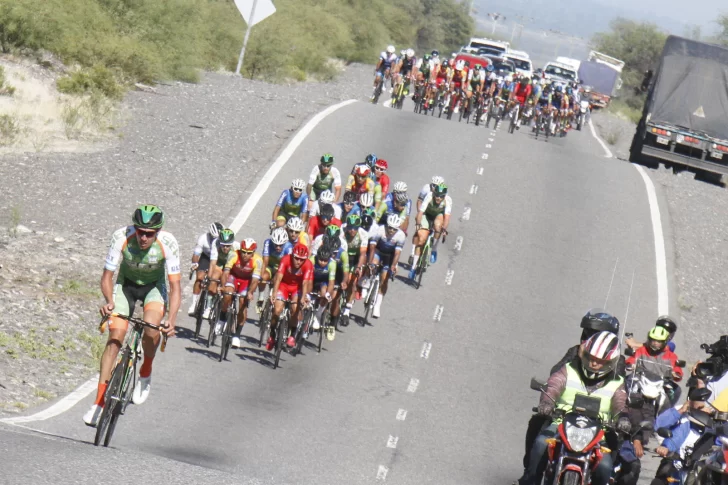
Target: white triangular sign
699, 112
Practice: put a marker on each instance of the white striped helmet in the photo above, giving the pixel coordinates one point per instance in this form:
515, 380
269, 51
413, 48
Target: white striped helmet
279, 236
366, 199
298, 184
326, 197
599, 355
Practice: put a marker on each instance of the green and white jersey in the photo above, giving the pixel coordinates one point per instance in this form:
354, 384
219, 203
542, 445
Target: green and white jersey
320, 182
142, 267
433, 210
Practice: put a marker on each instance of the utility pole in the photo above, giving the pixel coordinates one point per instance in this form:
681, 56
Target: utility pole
495, 17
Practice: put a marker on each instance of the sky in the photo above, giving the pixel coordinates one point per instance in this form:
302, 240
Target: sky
701, 12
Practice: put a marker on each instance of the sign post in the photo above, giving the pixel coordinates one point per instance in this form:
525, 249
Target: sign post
253, 11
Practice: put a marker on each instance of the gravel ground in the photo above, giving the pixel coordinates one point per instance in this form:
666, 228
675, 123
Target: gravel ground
193, 149
696, 210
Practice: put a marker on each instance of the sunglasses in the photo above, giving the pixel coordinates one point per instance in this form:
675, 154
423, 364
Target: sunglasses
278, 247
299, 259
147, 234
377, 169
246, 252
298, 190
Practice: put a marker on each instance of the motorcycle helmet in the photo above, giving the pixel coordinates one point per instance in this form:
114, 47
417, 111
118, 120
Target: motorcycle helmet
597, 320
667, 323
599, 355
657, 338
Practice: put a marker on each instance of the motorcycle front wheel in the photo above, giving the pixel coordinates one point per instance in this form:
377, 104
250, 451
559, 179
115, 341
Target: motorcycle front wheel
570, 477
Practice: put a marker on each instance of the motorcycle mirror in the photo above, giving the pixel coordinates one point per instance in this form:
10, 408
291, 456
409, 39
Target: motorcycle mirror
664, 432
647, 425
680, 363
538, 386
699, 394
629, 351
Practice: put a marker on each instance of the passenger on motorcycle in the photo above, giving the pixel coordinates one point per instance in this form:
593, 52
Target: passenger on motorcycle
663, 321
655, 351
594, 374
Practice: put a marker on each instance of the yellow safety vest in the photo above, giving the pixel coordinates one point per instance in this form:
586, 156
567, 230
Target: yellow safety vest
575, 385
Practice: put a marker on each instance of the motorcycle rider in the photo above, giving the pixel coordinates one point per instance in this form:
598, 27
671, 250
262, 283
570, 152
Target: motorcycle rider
593, 322
655, 350
663, 321
593, 374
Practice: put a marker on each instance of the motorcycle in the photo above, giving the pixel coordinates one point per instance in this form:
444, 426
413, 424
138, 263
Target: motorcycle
575, 452
528, 112
651, 384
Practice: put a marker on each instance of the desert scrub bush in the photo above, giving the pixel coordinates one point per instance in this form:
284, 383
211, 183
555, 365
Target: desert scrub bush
9, 129
89, 80
5, 88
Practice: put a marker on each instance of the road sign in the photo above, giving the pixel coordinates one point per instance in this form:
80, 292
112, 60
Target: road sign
253, 11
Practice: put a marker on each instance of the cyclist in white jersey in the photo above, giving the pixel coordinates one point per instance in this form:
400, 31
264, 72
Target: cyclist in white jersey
434, 214
205, 251
384, 248
426, 190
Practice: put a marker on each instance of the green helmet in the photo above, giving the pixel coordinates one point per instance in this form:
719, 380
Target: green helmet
658, 333
148, 217
333, 230
368, 211
227, 237
439, 189
327, 159
353, 221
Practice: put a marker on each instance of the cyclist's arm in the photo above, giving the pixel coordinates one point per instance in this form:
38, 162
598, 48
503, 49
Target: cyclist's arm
312, 180
277, 208
445, 221
377, 192
276, 283
372, 246
337, 183
107, 285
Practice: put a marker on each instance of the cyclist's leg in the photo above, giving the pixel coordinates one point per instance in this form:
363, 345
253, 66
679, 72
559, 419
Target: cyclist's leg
154, 308
215, 274
243, 294
437, 225
230, 289
203, 266
422, 234
264, 281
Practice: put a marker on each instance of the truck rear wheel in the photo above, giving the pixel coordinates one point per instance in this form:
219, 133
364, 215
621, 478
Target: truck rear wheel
709, 177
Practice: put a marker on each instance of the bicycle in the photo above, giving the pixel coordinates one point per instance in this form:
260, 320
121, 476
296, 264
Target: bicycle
215, 310
543, 122
226, 333
123, 377
303, 327
201, 302
495, 112
478, 109
423, 262
514, 114
398, 97
380, 85
282, 331
264, 322
374, 270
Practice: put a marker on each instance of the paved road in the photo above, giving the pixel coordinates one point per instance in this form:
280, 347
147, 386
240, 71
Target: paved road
412, 399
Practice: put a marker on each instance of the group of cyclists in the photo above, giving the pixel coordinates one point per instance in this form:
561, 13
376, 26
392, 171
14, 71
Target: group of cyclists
455, 85
329, 238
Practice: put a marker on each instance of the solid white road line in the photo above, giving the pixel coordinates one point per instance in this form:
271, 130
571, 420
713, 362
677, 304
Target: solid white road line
607, 152
663, 306
61, 406
282, 159
89, 386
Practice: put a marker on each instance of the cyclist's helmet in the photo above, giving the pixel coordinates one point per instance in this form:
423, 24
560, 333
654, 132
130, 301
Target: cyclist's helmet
394, 221
362, 170
426, 58
446, 63
300, 250
599, 355
410, 52
353, 222
490, 68
667, 323
367, 218
657, 338
437, 180
435, 53
370, 160
148, 217
349, 197
227, 237
366, 200
390, 49
327, 211
382, 163
400, 197
333, 231
439, 190
214, 229
399, 187
559, 88
403, 52
248, 244
597, 320
334, 242
295, 224
279, 236
327, 159
323, 253
326, 197
298, 184
569, 91
460, 65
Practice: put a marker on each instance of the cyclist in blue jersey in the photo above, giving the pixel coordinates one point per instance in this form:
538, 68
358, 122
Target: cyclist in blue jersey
385, 246
386, 61
292, 203
324, 276
396, 203
274, 248
350, 205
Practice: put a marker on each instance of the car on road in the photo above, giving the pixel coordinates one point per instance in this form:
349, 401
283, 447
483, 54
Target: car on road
557, 71
473, 60
522, 61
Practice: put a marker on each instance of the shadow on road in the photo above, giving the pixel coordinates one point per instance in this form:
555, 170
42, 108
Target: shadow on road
210, 354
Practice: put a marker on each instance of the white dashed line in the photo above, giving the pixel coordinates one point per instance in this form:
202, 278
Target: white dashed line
485, 156
392, 441
401, 414
473, 189
449, 276
413, 385
488, 145
426, 347
382, 472
479, 171
458, 243
438, 313
490, 139
466, 213
492, 133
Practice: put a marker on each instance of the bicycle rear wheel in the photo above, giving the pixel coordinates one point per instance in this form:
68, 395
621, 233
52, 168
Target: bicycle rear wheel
281, 338
113, 391
264, 323
373, 291
199, 310
326, 321
424, 258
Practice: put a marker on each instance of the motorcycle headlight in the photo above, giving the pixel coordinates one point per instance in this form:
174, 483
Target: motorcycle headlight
578, 437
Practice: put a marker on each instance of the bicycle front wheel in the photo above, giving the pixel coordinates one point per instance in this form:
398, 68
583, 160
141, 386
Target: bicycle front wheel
264, 324
199, 311
281, 338
112, 398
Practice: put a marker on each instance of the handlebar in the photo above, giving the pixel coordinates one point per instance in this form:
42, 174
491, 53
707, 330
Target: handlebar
136, 321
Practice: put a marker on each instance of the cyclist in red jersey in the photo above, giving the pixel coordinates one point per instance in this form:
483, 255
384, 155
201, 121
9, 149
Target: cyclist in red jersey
380, 176
318, 224
293, 281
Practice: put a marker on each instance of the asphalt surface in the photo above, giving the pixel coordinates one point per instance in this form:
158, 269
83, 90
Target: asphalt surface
551, 230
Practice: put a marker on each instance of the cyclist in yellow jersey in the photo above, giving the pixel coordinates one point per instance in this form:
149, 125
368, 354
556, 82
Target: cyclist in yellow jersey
241, 276
296, 233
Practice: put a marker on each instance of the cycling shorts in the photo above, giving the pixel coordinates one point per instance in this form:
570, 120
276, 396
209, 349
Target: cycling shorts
384, 259
269, 272
204, 263
288, 292
240, 285
127, 293
426, 222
